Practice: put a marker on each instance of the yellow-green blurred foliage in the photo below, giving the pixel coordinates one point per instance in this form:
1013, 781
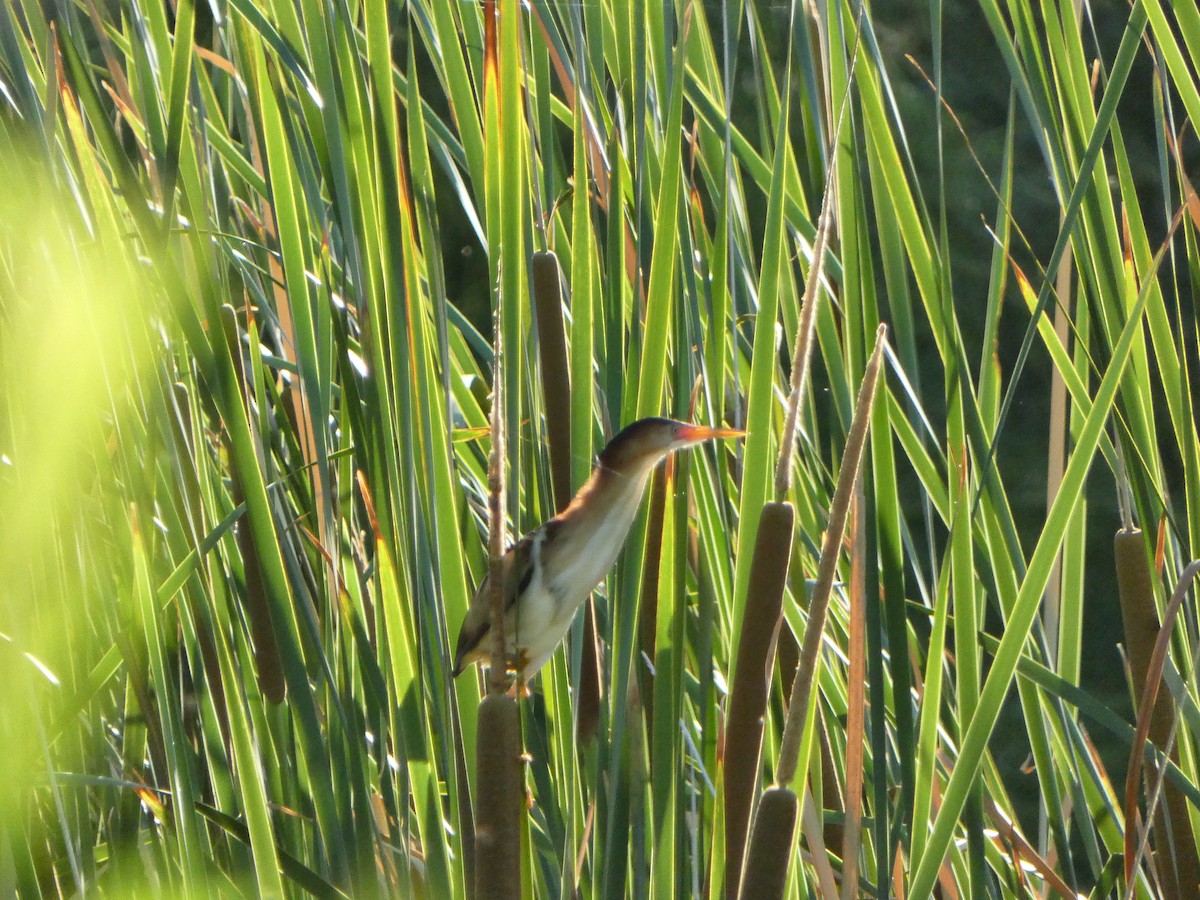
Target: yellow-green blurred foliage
75, 328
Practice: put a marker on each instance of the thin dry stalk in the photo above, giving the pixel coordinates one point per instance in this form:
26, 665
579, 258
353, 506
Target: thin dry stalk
806, 329
802, 353
1057, 454
810, 824
856, 715
1024, 851
856, 441
496, 529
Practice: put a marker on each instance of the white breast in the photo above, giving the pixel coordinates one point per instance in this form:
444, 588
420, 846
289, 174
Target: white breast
585, 550
594, 547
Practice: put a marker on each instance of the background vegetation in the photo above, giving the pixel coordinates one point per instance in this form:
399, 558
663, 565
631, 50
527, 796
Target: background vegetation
255, 260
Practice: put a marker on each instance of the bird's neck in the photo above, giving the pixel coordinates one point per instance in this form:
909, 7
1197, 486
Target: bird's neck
609, 492
590, 532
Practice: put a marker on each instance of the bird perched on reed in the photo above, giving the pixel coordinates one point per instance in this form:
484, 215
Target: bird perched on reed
552, 570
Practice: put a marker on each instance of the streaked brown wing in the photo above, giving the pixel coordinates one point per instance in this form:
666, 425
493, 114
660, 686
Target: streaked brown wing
518, 573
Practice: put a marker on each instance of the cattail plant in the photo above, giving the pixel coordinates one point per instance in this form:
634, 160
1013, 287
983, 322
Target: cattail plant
267, 661
764, 879
366, 185
768, 579
556, 388
498, 742
1146, 644
556, 374
748, 701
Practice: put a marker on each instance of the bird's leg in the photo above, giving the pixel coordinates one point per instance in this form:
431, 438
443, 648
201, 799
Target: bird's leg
518, 662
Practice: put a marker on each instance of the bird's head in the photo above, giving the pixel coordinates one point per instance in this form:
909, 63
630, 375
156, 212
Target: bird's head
642, 444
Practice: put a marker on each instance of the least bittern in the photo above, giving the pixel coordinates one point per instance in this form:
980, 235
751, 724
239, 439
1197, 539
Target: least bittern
553, 569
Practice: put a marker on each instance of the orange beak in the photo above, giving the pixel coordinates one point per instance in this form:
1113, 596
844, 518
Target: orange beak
697, 433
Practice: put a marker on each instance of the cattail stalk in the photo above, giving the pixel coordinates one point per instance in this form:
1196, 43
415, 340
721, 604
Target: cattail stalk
770, 848
556, 374
268, 663
770, 845
1146, 642
776, 817
498, 738
498, 799
768, 579
556, 388
748, 700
